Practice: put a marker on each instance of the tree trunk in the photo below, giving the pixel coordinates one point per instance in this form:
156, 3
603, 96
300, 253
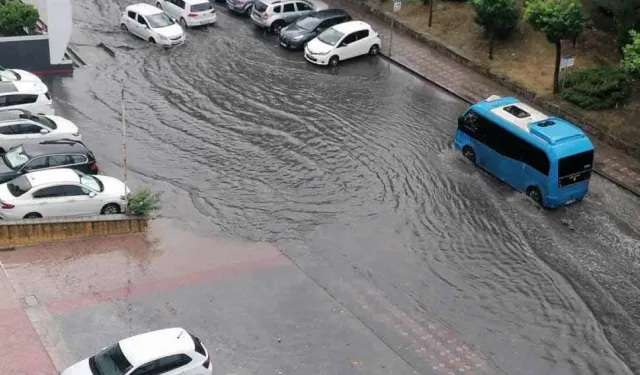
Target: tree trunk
556, 73
430, 11
491, 36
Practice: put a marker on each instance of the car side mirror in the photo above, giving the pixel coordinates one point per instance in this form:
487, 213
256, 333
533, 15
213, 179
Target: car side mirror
92, 194
44, 131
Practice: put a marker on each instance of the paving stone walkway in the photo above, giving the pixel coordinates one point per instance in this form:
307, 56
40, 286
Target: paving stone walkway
471, 86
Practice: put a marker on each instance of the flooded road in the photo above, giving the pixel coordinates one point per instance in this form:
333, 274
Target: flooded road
352, 175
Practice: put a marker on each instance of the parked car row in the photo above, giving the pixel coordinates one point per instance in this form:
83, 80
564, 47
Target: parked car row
45, 169
327, 36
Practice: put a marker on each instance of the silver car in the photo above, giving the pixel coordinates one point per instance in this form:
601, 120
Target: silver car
273, 15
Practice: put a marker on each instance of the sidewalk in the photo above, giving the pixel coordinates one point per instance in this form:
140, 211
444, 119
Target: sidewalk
470, 86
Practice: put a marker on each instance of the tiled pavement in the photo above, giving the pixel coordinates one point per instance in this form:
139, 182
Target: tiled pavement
471, 86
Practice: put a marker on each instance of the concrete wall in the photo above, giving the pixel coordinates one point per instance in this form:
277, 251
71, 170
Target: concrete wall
29, 232
30, 53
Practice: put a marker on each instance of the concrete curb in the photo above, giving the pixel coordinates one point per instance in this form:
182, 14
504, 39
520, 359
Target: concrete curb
598, 171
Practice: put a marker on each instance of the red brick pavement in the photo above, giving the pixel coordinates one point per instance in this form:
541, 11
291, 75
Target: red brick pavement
471, 87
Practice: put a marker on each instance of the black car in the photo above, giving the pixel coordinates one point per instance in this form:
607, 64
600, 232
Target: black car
296, 35
65, 153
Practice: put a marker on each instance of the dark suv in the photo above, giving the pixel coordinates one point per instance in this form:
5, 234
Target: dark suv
296, 35
46, 155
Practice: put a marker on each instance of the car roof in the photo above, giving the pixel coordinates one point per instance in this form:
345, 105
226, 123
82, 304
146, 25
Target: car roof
49, 176
146, 347
54, 147
25, 87
144, 9
328, 13
351, 26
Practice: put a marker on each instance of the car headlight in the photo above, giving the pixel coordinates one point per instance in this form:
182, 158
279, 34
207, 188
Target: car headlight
298, 37
76, 134
163, 37
320, 53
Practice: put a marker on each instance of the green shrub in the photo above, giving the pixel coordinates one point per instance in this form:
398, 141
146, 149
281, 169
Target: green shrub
600, 88
15, 16
631, 55
143, 202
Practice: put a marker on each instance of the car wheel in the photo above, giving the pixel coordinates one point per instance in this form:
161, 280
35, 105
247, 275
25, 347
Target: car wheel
183, 23
152, 40
469, 154
32, 215
248, 10
534, 193
334, 61
159, 5
276, 28
110, 209
1, 151
374, 50
124, 27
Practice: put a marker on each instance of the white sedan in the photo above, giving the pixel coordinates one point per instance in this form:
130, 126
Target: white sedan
152, 24
170, 351
18, 127
342, 42
61, 192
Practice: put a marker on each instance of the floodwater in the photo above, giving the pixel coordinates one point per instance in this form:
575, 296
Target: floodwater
352, 174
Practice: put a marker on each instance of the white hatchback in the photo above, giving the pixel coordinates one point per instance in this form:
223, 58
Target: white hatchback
22, 94
18, 127
189, 13
170, 351
152, 24
61, 192
342, 42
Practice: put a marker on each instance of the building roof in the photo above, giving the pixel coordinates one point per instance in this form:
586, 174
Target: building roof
144, 9
351, 26
148, 346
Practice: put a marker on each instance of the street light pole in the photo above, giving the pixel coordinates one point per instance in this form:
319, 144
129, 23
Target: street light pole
393, 21
124, 145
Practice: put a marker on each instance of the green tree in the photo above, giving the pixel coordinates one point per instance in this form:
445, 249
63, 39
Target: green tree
631, 55
557, 20
498, 17
15, 16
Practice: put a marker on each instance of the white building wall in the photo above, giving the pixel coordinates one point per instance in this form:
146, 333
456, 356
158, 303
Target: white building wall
57, 15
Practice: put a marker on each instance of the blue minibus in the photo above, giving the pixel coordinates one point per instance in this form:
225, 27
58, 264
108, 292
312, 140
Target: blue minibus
545, 157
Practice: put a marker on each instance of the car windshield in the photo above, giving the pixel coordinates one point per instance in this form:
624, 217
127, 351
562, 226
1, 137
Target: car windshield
331, 37
308, 23
15, 158
42, 120
202, 7
90, 181
159, 20
8, 75
110, 361
19, 186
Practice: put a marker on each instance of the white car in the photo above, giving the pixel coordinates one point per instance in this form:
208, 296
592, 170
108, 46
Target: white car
152, 24
189, 13
15, 75
29, 95
19, 127
61, 192
342, 42
170, 351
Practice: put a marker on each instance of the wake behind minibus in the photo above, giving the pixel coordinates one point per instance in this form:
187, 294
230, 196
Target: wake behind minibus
545, 157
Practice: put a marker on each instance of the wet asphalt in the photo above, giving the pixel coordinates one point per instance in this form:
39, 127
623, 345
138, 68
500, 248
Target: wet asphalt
351, 173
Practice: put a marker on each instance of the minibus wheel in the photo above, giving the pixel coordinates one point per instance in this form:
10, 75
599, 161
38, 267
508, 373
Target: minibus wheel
469, 154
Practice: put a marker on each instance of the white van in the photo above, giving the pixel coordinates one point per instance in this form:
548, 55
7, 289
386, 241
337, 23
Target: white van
30, 96
189, 13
